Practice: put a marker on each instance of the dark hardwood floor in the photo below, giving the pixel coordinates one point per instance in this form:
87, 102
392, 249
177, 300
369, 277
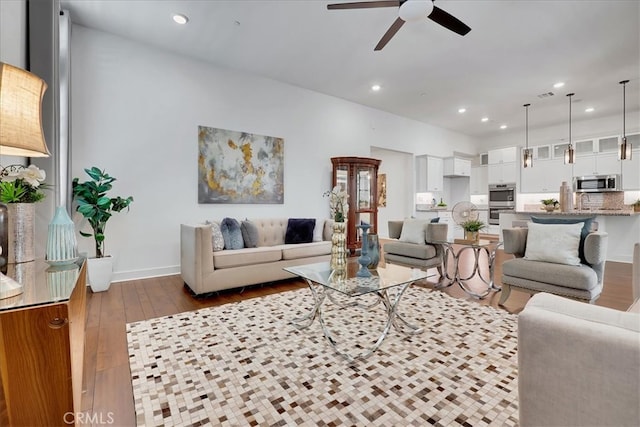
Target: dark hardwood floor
109, 395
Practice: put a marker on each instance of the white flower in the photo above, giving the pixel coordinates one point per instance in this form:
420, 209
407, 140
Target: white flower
32, 175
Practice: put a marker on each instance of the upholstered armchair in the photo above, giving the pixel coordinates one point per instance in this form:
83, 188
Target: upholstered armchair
578, 364
416, 245
543, 264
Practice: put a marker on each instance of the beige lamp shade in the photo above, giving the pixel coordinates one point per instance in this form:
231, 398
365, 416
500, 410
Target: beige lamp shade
21, 94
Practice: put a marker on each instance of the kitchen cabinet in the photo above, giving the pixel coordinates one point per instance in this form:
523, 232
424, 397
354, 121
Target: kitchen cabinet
542, 152
421, 174
358, 176
545, 176
478, 181
435, 181
454, 166
597, 164
503, 155
484, 158
454, 231
558, 150
42, 335
631, 170
502, 173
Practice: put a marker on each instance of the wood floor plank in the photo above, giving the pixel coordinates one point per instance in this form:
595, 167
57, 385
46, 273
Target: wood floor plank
106, 338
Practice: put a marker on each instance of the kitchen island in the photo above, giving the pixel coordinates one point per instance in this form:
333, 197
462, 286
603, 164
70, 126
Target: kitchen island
622, 225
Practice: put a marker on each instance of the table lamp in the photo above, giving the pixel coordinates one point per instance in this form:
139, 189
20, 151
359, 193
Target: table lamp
21, 94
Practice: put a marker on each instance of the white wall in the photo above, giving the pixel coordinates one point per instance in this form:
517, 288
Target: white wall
135, 113
399, 167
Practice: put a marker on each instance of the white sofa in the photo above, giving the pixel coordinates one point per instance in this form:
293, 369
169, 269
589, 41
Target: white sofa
578, 364
205, 271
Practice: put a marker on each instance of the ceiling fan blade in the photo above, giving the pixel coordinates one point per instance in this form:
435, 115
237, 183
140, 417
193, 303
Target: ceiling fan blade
393, 29
364, 4
449, 21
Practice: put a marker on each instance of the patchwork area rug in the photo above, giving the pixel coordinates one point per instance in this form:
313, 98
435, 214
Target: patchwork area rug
243, 364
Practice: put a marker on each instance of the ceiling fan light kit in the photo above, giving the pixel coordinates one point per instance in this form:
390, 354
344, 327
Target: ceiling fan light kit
569, 153
624, 151
408, 11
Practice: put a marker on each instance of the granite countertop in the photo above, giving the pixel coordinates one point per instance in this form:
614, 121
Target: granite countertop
603, 212
441, 209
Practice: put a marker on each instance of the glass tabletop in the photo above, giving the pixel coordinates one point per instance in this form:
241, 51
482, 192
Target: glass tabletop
384, 277
482, 243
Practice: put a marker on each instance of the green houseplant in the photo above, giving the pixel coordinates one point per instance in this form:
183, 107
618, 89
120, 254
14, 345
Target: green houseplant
550, 204
472, 228
636, 206
97, 207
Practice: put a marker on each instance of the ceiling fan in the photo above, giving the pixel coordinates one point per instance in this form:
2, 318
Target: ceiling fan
409, 10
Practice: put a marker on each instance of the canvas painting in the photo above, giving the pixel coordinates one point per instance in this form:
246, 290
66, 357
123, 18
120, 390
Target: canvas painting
382, 190
239, 167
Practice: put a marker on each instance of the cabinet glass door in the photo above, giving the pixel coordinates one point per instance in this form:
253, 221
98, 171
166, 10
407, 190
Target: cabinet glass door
543, 152
363, 187
584, 147
558, 150
608, 145
342, 177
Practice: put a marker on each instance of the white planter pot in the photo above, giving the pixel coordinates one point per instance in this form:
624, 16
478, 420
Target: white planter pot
99, 271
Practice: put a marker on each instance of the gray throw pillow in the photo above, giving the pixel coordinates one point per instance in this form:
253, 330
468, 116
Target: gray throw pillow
250, 234
231, 234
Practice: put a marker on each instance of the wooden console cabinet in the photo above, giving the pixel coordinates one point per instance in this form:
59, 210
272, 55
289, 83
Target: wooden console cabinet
42, 345
359, 177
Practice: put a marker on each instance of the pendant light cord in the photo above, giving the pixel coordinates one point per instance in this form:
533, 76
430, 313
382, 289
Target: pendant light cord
570, 95
624, 103
526, 125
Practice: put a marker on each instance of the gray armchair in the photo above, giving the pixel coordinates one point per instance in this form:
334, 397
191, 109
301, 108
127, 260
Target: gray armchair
582, 282
418, 248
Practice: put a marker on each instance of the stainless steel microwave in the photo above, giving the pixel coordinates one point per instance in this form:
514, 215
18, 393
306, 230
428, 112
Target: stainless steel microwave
597, 183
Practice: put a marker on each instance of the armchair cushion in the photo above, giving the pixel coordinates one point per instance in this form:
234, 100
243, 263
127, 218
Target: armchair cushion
529, 274
564, 239
422, 251
413, 231
587, 223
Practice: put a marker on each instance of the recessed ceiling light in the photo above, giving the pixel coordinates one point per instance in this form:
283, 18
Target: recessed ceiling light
589, 110
461, 110
375, 88
503, 127
558, 85
179, 18
484, 119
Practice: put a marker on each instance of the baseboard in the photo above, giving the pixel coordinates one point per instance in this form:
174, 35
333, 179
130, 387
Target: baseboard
123, 276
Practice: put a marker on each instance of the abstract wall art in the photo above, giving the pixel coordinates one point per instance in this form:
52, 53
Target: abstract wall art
382, 190
239, 167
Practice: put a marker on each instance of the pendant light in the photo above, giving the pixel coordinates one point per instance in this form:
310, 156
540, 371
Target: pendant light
569, 153
624, 150
527, 153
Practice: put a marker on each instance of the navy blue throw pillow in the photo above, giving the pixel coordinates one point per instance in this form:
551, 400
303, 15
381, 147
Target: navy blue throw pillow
435, 220
586, 228
300, 230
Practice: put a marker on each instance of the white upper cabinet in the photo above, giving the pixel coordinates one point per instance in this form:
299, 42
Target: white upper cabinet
421, 174
454, 166
631, 168
435, 181
542, 152
479, 184
587, 147
503, 155
545, 176
597, 164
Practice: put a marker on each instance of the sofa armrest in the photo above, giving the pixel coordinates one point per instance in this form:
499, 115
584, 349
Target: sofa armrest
595, 247
515, 241
578, 364
196, 254
395, 229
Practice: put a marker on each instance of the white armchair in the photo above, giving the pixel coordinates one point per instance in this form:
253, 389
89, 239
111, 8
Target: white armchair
578, 364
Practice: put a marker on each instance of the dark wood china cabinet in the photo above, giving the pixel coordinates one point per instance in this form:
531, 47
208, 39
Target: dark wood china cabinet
359, 177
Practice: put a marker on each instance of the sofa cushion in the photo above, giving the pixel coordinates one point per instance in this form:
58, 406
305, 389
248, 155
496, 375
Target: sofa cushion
250, 234
555, 243
586, 228
570, 276
272, 230
413, 231
299, 230
305, 250
410, 250
246, 256
231, 234
318, 230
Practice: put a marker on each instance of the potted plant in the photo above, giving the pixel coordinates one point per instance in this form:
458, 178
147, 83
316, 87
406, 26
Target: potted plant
550, 205
636, 206
472, 229
97, 207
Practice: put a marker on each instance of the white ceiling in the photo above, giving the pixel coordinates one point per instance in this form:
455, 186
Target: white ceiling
515, 51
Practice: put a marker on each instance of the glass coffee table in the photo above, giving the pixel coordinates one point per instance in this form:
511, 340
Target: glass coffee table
344, 289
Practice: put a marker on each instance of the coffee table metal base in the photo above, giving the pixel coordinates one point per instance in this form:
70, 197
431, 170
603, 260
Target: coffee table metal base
390, 303
476, 271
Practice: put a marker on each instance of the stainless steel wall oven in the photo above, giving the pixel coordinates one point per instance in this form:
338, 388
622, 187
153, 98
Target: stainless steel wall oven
502, 197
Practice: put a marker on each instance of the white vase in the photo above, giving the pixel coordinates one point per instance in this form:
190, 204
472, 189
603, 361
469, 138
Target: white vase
100, 271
